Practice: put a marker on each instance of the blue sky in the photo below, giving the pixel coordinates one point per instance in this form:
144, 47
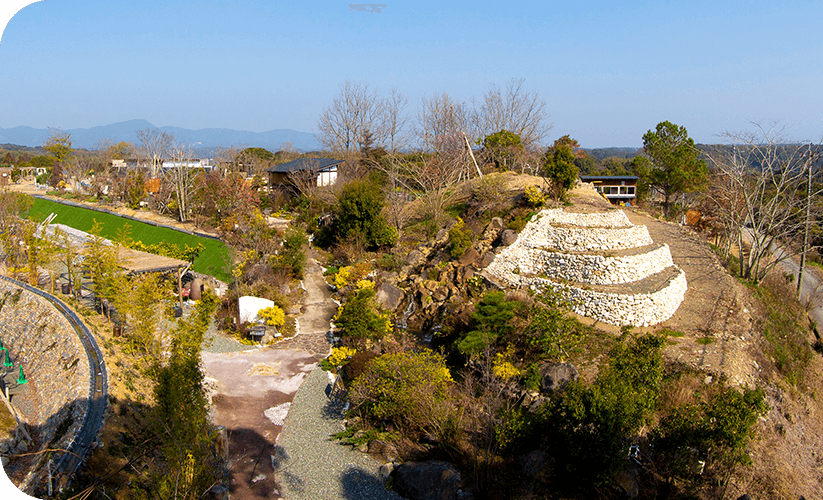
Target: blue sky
607, 72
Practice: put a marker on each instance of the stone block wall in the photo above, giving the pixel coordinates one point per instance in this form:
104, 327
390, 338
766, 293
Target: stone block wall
558, 216
642, 309
593, 269
54, 361
585, 239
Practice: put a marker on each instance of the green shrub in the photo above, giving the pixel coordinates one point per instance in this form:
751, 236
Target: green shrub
719, 428
589, 425
459, 239
359, 317
411, 389
358, 213
489, 188
292, 258
551, 332
490, 320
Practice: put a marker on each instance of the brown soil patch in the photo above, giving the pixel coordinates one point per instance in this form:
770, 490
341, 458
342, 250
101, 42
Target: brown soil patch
243, 386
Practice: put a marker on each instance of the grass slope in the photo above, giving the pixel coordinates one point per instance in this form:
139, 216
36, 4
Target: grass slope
211, 261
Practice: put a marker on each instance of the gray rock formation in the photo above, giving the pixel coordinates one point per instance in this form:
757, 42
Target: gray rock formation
554, 376
432, 480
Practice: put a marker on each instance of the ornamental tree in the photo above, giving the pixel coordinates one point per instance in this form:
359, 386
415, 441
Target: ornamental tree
676, 163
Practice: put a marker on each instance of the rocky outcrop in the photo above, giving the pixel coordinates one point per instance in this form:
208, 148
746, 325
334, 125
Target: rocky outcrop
432, 480
605, 267
389, 296
555, 376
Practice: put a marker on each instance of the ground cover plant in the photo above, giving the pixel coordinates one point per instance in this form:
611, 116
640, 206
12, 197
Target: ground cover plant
211, 260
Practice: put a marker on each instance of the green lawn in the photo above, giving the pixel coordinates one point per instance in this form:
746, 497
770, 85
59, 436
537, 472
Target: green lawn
211, 261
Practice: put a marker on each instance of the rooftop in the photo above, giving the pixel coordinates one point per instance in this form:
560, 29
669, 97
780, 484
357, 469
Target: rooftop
304, 164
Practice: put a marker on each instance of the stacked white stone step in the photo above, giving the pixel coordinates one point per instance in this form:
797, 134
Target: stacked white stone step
603, 265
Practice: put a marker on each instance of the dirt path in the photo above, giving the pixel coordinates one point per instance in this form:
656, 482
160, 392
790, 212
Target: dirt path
252, 391
714, 306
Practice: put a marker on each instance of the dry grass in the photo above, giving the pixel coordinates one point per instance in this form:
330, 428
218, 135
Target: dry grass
7, 423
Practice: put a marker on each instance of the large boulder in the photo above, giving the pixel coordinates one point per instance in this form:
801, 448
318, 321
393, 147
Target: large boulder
508, 237
626, 480
491, 234
389, 296
441, 238
555, 376
383, 449
433, 480
471, 256
415, 258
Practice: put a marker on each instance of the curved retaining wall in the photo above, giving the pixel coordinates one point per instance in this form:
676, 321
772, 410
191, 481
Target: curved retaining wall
63, 361
584, 239
54, 361
540, 258
594, 269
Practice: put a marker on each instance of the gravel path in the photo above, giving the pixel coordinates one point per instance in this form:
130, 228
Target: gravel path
216, 343
310, 464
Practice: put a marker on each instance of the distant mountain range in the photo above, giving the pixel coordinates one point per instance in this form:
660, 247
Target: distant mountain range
201, 140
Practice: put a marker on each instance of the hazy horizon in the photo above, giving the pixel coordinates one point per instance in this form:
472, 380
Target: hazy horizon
608, 73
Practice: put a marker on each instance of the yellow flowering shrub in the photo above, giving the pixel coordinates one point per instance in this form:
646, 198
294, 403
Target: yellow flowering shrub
273, 315
341, 279
363, 284
502, 367
409, 388
340, 355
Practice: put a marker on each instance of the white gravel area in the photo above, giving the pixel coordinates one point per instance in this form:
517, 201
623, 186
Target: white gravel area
312, 465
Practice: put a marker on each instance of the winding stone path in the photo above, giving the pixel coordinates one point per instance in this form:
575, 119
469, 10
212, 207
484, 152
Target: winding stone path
314, 323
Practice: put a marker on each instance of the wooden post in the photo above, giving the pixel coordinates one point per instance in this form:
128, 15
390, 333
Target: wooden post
180, 287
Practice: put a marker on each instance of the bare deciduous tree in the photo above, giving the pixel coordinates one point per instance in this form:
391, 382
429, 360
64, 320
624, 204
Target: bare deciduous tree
226, 159
154, 144
514, 109
433, 179
180, 175
355, 110
444, 129
442, 124
758, 191
358, 116
394, 121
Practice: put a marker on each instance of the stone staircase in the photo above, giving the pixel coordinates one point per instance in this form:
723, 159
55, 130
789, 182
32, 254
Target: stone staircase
604, 266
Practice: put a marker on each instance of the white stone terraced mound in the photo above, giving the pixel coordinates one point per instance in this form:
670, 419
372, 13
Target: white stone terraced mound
593, 269
603, 265
557, 216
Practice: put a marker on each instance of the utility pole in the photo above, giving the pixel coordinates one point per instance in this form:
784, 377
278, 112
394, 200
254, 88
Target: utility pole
810, 161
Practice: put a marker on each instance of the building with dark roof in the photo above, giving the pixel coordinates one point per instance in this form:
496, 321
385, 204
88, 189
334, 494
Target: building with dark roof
616, 188
317, 171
